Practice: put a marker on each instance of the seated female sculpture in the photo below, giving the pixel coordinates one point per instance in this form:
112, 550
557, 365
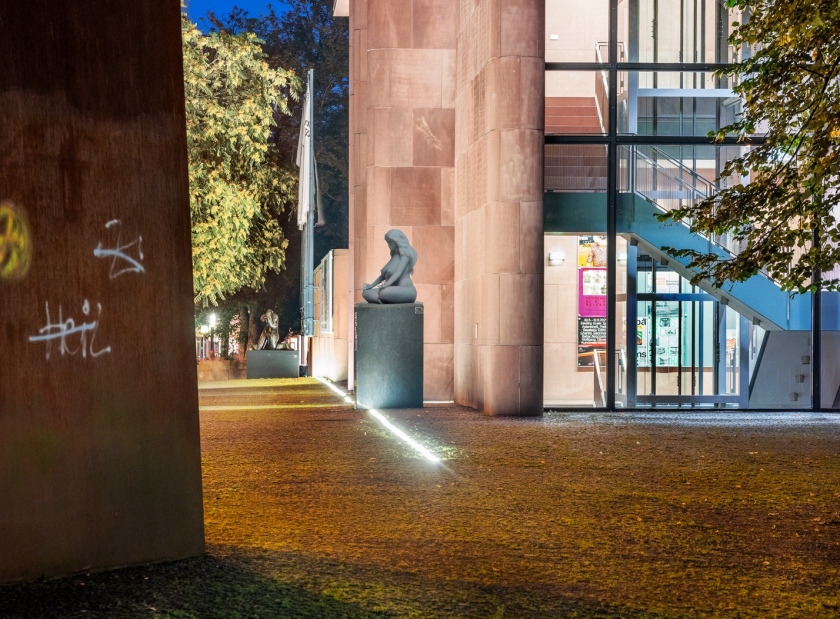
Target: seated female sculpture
394, 282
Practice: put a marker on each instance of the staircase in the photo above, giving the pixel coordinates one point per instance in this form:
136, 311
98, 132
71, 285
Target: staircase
576, 167
652, 182
572, 116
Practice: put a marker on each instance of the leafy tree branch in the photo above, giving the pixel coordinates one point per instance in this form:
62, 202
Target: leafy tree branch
237, 188
782, 207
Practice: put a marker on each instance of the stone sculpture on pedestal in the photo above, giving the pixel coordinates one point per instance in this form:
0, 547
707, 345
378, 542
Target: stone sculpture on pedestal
269, 336
394, 283
269, 359
389, 334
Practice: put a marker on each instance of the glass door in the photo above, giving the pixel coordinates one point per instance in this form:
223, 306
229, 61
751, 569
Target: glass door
687, 347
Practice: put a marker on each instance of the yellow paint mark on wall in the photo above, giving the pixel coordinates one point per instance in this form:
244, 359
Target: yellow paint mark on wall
15, 242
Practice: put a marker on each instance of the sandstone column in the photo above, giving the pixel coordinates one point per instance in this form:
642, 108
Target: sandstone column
498, 206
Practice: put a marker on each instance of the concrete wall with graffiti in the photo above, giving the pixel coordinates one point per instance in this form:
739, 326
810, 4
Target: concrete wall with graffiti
99, 445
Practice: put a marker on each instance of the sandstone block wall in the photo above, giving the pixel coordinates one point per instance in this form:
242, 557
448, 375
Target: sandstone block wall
447, 124
402, 125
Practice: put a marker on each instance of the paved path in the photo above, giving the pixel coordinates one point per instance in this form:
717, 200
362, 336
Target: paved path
590, 515
315, 510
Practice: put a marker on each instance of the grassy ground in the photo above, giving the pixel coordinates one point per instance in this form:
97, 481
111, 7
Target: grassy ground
312, 509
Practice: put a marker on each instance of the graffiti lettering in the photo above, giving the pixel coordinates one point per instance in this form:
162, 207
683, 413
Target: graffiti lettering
121, 261
64, 332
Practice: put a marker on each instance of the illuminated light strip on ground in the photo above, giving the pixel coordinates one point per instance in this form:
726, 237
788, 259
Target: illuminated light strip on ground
331, 386
405, 437
384, 421
252, 407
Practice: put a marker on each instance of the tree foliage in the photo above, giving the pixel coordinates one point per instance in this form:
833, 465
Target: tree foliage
308, 36
305, 36
790, 88
238, 187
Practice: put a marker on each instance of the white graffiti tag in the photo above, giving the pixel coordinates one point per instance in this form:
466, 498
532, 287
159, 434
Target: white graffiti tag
122, 262
65, 332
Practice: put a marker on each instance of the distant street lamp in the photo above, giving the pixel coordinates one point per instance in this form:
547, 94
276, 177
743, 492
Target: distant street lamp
203, 351
212, 327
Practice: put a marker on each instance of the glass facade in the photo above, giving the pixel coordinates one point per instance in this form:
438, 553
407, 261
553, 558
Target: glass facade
828, 342
631, 96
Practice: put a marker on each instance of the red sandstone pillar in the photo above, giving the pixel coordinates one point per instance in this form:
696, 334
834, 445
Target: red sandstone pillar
498, 206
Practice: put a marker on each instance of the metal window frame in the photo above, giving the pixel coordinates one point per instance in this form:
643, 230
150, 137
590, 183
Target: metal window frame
612, 140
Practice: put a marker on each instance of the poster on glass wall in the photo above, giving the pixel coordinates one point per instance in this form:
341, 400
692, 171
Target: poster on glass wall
592, 299
592, 340
592, 251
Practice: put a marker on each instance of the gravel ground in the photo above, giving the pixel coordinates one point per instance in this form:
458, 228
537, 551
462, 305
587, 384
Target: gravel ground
314, 509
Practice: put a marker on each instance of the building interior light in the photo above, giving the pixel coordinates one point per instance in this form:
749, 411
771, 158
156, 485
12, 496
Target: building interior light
556, 258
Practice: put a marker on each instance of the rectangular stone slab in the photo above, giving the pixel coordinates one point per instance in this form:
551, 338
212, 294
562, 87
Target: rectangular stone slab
389, 355
273, 364
100, 462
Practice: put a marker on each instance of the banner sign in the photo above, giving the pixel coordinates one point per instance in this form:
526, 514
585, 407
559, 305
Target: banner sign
592, 298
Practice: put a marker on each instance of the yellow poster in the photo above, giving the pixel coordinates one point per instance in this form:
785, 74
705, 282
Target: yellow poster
592, 251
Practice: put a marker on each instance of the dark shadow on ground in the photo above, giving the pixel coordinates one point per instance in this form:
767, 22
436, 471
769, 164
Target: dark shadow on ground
417, 594
257, 583
201, 587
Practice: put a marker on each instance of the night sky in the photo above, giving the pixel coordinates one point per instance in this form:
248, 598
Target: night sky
197, 9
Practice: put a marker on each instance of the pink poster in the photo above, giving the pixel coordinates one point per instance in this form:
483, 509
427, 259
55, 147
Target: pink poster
592, 292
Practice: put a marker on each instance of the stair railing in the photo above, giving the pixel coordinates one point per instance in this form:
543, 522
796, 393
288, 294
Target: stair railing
664, 184
673, 179
602, 85
667, 183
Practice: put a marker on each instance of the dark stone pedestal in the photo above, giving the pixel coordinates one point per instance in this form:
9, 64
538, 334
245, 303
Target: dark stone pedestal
389, 355
273, 364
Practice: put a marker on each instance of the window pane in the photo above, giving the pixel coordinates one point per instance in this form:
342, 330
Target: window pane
573, 29
674, 104
576, 312
576, 167
676, 30
741, 346
576, 103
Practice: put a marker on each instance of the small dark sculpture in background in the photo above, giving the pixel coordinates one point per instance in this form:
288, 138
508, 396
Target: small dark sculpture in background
269, 336
394, 283
286, 344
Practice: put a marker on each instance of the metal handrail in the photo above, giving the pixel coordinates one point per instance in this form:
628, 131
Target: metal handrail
693, 189
698, 188
660, 154
602, 92
600, 391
